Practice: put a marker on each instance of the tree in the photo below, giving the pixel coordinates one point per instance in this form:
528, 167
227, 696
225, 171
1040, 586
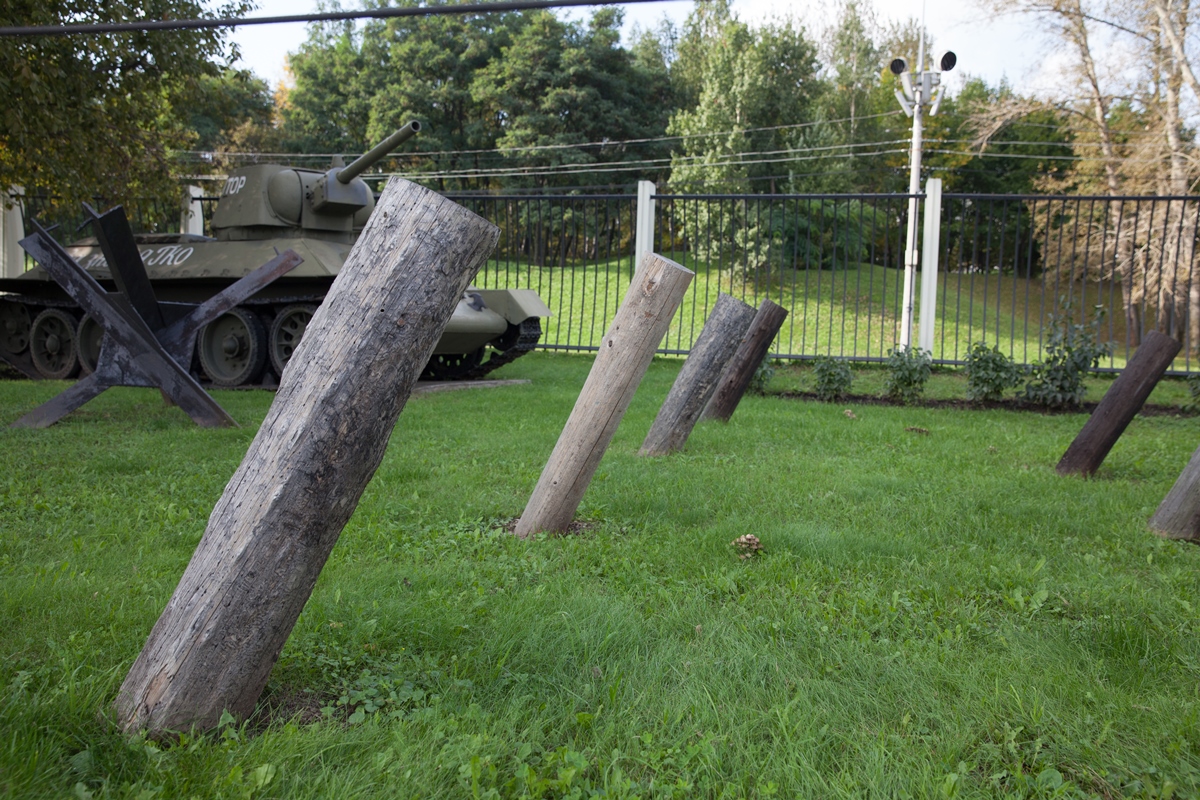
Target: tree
225, 102
329, 108
1134, 119
574, 89
428, 65
754, 87
102, 112
1017, 154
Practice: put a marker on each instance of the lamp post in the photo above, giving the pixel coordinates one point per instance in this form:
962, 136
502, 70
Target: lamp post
914, 96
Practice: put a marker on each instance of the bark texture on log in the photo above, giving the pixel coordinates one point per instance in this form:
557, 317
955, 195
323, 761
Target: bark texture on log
1121, 403
626, 352
1178, 516
281, 513
697, 380
745, 361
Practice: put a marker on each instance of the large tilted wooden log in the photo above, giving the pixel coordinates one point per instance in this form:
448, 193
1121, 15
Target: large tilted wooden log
625, 353
745, 361
697, 380
1178, 516
1121, 403
278, 519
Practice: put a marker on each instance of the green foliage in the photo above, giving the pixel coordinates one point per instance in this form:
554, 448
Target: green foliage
744, 80
127, 96
363, 682
491, 82
1193, 386
990, 373
908, 370
1071, 352
564, 84
760, 241
762, 376
832, 377
226, 102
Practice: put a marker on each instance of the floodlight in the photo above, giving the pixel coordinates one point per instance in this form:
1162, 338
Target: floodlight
898, 66
947, 60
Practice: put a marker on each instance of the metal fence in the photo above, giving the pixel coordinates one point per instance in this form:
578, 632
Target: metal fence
576, 252
1014, 266
1010, 268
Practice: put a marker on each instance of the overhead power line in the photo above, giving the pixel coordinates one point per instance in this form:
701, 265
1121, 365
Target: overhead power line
329, 16
574, 169
543, 147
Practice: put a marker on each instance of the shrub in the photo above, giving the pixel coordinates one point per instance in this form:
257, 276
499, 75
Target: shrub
1193, 385
908, 370
833, 377
762, 376
990, 373
1072, 351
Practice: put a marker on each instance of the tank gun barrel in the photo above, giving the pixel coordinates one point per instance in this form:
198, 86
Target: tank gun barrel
367, 159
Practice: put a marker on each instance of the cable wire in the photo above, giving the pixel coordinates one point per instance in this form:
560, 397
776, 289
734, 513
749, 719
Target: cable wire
541, 147
328, 16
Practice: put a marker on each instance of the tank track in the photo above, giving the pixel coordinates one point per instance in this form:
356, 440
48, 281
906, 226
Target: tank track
518, 340
528, 333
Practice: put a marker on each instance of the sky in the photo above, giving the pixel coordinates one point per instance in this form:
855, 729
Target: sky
987, 47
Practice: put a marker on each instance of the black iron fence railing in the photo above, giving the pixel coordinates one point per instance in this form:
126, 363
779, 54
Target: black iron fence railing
1010, 267
576, 252
834, 261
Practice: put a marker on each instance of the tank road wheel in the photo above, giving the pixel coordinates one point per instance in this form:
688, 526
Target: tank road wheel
233, 348
14, 327
89, 336
451, 366
52, 345
286, 330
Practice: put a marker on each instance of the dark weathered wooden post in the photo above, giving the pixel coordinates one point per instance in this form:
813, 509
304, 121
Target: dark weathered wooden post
278, 519
697, 380
745, 361
1121, 403
625, 353
1178, 516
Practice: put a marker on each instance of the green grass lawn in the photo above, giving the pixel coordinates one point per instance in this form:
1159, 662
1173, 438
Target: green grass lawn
933, 615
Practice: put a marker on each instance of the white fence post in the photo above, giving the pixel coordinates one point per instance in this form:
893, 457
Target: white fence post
929, 262
12, 230
643, 241
191, 215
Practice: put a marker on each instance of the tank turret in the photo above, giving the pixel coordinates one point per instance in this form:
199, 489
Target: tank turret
259, 200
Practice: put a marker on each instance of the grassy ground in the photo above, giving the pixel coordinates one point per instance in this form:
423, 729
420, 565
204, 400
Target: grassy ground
851, 312
934, 615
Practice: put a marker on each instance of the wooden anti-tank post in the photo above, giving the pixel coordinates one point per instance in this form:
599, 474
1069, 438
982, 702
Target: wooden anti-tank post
278, 519
1178, 516
697, 380
1121, 403
625, 353
745, 361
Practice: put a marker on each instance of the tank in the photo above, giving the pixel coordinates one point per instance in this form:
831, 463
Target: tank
263, 209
